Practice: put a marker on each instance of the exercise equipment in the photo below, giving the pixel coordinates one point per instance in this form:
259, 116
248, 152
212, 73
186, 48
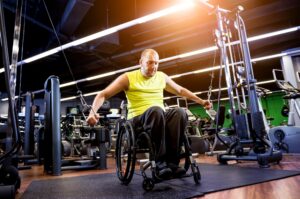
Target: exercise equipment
247, 119
290, 64
9, 176
53, 163
292, 94
217, 136
27, 124
211, 112
287, 138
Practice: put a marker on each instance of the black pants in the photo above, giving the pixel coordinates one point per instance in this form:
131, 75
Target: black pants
166, 130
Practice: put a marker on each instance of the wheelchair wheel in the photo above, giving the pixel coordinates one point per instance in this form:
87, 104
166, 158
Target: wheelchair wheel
9, 175
186, 154
148, 184
125, 153
196, 173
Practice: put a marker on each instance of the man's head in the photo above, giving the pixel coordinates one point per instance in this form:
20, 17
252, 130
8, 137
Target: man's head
149, 62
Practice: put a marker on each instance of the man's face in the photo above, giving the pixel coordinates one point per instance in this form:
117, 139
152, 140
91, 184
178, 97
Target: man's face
149, 64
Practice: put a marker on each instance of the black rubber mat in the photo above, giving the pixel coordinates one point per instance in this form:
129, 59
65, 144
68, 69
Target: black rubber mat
214, 178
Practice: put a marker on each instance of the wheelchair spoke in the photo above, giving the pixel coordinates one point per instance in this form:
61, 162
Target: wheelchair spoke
125, 153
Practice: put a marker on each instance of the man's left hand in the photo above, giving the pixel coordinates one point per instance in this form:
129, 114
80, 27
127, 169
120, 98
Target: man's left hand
207, 104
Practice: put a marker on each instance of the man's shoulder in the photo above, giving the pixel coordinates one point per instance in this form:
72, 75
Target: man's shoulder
161, 73
132, 72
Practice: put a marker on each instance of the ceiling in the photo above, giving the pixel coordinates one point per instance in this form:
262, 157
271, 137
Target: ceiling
171, 35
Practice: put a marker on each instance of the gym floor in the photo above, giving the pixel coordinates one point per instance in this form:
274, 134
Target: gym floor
287, 188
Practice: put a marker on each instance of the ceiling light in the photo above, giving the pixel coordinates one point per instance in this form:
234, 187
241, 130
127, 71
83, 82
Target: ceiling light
150, 17
175, 76
203, 50
200, 51
272, 34
6, 99
100, 76
67, 84
173, 9
266, 82
39, 56
170, 97
68, 98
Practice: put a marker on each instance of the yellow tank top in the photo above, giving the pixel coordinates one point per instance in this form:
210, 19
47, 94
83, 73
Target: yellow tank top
144, 93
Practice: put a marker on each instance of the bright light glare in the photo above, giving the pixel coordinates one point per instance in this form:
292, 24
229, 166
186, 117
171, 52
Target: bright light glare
67, 84
6, 99
39, 56
176, 8
207, 69
100, 76
68, 98
150, 17
170, 97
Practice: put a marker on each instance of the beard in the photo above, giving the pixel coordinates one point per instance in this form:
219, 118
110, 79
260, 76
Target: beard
149, 72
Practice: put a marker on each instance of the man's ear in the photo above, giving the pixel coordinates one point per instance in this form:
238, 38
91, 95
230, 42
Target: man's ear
140, 62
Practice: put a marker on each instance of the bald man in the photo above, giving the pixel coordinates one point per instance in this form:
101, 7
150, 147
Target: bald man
144, 92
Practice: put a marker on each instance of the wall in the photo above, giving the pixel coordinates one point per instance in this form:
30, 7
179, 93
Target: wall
272, 104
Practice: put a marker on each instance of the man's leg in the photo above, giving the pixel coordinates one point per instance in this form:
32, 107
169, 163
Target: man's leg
176, 121
153, 121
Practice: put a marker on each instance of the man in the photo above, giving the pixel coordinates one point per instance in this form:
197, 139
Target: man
144, 91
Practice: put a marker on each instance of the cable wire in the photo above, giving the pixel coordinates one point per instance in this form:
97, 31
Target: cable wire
21, 55
59, 42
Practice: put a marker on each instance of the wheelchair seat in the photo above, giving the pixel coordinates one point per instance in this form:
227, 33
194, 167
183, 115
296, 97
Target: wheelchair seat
132, 141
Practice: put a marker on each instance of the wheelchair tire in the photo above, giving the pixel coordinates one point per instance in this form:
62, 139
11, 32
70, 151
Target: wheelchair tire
10, 176
196, 173
125, 153
148, 184
187, 153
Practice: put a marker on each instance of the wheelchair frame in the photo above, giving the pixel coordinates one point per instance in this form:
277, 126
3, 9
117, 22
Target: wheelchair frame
128, 145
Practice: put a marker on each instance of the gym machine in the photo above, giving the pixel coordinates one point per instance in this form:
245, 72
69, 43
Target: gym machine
53, 162
287, 138
247, 118
9, 176
28, 125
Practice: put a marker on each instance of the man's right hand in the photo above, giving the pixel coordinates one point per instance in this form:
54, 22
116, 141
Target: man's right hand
93, 119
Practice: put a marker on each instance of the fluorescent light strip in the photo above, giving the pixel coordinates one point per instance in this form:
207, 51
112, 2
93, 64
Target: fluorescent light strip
170, 97
74, 97
68, 98
144, 19
222, 89
272, 34
236, 63
6, 99
179, 75
98, 76
199, 51
208, 69
150, 17
227, 98
252, 60
196, 52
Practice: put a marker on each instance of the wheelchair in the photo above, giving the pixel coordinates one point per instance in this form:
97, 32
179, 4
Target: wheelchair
131, 142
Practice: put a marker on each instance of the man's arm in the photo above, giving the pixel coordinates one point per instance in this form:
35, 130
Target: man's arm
118, 85
178, 90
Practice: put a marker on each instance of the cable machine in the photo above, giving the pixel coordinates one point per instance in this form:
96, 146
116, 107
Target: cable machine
247, 118
98, 135
9, 176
